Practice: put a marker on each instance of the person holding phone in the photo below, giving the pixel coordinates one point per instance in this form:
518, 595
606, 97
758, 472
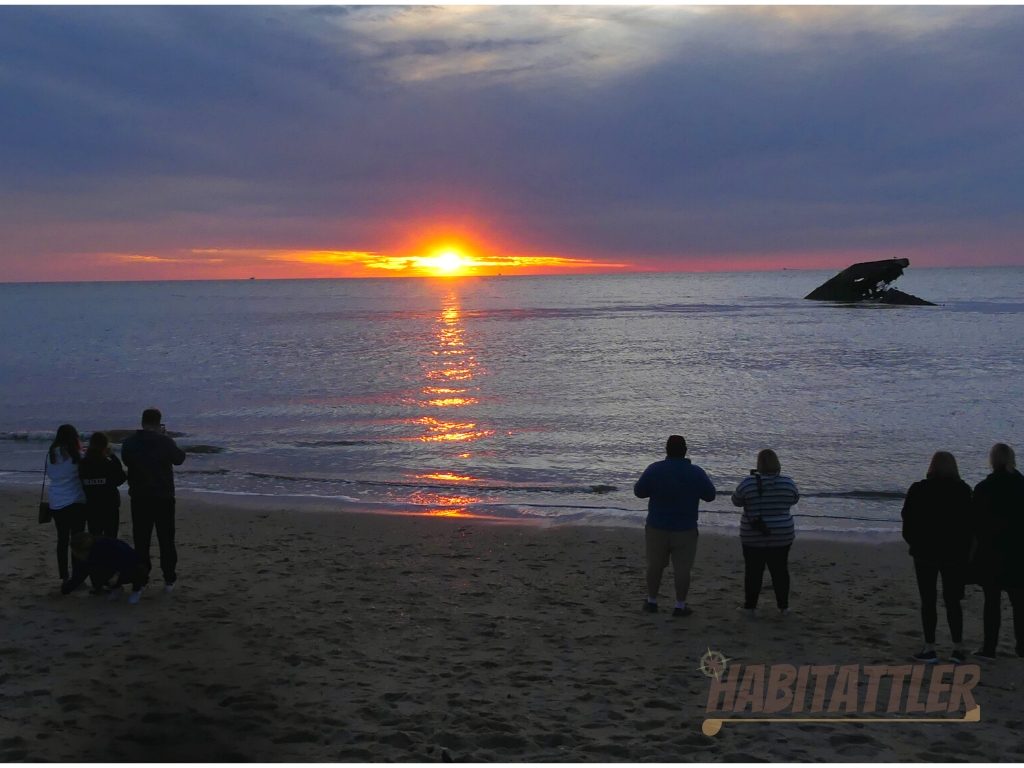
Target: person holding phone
150, 456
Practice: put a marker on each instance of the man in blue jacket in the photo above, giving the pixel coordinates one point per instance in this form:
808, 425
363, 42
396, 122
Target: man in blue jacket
673, 489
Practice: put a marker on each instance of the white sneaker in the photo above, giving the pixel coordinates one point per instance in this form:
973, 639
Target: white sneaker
134, 597
168, 588
115, 594
750, 613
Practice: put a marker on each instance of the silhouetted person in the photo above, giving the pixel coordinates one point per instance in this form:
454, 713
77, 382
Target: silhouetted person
673, 488
150, 456
101, 473
100, 558
936, 524
67, 499
766, 529
998, 512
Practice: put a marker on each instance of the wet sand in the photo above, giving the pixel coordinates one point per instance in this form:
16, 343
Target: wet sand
352, 637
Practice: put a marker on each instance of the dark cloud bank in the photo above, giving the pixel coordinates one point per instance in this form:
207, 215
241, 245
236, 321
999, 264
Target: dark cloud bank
674, 138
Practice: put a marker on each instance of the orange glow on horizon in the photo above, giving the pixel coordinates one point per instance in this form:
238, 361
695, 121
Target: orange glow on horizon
477, 259
440, 260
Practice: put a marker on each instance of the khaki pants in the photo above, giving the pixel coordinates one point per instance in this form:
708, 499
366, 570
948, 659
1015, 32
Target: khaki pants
681, 547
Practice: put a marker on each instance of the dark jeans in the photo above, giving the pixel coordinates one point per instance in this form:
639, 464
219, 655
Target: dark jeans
928, 571
104, 521
777, 560
148, 514
992, 613
69, 520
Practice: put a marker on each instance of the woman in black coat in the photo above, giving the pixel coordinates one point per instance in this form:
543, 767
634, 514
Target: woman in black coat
936, 525
999, 558
101, 473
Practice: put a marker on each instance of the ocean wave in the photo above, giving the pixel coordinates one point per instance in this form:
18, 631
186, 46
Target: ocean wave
329, 497
28, 436
864, 495
336, 443
45, 436
599, 488
483, 486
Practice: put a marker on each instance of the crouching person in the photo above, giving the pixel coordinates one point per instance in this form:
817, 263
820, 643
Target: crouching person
101, 558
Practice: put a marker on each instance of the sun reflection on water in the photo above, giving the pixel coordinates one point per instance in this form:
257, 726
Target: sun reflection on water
448, 476
450, 375
450, 380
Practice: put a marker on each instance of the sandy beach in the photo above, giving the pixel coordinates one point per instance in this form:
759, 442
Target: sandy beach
302, 636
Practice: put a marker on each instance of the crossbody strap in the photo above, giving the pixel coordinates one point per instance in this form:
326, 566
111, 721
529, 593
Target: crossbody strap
42, 491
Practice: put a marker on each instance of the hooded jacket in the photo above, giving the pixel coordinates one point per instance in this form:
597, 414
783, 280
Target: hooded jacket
101, 475
106, 557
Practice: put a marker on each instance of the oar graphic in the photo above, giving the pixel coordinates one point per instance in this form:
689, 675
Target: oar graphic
712, 725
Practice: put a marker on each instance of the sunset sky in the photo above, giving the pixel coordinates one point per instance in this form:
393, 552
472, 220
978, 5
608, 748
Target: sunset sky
202, 142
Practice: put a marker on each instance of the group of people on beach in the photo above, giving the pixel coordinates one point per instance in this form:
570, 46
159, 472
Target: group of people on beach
960, 535
956, 534
84, 504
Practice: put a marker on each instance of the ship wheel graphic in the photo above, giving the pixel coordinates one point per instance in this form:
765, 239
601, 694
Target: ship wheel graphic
713, 664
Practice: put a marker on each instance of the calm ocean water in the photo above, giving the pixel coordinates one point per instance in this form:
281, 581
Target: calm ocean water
524, 397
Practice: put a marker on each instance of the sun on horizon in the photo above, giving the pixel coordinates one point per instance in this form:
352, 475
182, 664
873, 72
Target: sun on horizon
448, 262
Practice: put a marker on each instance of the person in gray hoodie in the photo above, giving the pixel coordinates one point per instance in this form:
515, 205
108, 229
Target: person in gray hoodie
766, 528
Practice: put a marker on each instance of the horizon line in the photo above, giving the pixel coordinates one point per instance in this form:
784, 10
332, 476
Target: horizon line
455, 278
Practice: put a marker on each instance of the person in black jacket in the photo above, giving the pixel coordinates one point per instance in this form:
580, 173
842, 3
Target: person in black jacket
936, 515
150, 456
100, 557
101, 473
999, 525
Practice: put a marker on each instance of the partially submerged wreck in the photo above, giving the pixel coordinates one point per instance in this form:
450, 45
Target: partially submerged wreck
868, 281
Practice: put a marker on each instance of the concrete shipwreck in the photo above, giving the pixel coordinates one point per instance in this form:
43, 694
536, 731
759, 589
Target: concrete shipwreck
868, 281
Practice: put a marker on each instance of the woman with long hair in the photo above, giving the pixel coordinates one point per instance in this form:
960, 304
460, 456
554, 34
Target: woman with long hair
935, 525
999, 525
67, 499
766, 529
101, 473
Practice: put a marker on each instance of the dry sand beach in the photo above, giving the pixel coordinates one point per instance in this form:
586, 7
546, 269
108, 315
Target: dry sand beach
351, 637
